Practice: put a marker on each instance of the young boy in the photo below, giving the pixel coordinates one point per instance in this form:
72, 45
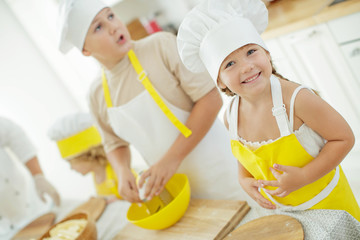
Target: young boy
147, 98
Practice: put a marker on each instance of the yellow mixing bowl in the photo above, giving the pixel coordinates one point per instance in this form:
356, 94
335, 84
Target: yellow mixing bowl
179, 188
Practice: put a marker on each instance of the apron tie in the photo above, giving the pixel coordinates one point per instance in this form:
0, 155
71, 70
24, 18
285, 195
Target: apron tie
313, 201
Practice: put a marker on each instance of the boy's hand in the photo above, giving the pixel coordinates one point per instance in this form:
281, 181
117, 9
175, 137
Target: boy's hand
251, 185
127, 186
288, 179
157, 176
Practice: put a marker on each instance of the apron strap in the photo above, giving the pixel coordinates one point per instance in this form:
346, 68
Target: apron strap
142, 77
279, 110
106, 89
315, 200
292, 101
232, 117
149, 87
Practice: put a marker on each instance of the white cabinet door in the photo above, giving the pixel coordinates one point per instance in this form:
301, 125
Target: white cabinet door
351, 53
345, 29
281, 61
319, 63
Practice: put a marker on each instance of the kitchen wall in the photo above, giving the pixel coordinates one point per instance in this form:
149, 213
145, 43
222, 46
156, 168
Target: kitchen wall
34, 96
125, 9
39, 85
168, 12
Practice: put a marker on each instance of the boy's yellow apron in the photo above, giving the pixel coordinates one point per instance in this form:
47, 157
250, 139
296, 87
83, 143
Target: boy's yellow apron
147, 125
332, 191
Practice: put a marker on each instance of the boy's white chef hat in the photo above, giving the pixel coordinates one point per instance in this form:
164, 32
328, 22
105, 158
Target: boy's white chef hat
75, 17
74, 134
216, 28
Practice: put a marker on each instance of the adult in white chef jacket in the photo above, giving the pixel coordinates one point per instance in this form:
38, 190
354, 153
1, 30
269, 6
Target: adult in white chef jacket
127, 114
22, 183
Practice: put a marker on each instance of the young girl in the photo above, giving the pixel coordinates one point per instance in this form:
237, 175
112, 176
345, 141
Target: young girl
79, 143
147, 98
289, 142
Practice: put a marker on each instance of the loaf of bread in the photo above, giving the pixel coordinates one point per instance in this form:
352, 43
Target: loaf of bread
68, 230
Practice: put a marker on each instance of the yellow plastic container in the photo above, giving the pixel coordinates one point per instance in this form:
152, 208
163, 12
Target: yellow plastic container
179, 188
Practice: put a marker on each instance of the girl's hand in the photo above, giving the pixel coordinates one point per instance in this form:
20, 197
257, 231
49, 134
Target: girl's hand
157, 176
291, 179
127, 186
251, 185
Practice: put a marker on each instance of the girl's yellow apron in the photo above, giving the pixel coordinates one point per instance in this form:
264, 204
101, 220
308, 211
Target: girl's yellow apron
332, 191
110, 185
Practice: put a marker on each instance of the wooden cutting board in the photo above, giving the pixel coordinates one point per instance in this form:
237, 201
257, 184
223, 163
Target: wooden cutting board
94, 207
204, 219
273, 227
36, 228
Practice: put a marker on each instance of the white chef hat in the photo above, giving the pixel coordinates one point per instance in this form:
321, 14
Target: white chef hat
74, 134
216, 28
75, 17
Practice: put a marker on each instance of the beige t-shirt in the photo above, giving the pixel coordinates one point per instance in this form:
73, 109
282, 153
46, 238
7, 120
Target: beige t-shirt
159, 57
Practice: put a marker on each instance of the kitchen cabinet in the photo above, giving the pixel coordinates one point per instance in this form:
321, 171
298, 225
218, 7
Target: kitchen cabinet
351, 53
349, 41
345, 29
280, 60
313, 57
136, 29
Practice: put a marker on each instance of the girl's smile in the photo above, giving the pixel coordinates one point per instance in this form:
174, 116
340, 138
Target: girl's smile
251, 79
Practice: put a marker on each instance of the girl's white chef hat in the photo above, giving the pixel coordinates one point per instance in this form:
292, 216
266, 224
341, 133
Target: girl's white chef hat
74, 134
75, 17
216, 28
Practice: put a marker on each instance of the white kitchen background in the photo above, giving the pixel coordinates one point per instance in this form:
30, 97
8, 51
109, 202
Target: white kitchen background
38, 84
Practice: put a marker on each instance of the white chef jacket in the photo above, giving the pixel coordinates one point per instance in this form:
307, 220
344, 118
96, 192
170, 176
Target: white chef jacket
19, 202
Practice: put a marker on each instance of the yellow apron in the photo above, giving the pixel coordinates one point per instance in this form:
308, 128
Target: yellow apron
332, 191
143, 124
110, 185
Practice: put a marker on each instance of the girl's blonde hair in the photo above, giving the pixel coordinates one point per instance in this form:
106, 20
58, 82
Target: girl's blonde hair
94, 154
